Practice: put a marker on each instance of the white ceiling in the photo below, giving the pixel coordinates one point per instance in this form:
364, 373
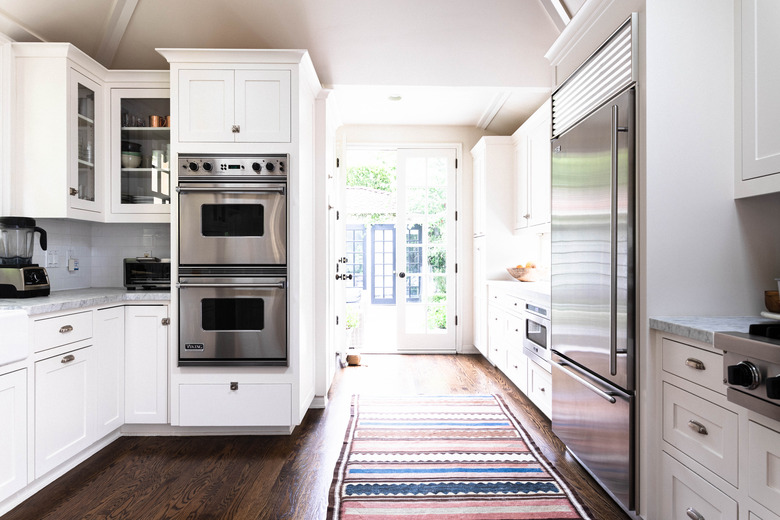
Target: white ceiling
453, 62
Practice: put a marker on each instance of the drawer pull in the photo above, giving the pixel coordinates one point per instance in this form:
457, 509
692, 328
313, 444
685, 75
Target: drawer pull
166, 321
693, 514
234, 385
66, 328
697, 427
541, 389
68, 358
694, 363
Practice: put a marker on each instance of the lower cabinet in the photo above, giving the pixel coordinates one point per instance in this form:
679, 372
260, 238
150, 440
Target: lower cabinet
540, 387
235, 403
685, 495
109, 333
13, 432
65, 406
146, 364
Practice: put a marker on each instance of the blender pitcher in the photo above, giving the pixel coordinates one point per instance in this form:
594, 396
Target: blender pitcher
17, 240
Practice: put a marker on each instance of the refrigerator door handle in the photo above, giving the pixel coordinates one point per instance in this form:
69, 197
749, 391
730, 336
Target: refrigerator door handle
613, 231
609, 395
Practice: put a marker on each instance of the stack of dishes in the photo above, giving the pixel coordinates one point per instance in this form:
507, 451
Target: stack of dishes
131, 154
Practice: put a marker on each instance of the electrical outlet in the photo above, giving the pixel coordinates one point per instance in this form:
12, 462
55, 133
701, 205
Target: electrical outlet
52, 258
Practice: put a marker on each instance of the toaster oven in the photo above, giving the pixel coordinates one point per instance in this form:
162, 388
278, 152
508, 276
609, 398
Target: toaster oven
147, 273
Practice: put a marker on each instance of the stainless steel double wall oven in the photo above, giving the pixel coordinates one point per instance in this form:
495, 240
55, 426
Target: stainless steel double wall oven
232, 260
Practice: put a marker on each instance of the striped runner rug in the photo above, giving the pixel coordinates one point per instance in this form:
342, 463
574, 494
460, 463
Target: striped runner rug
434, 457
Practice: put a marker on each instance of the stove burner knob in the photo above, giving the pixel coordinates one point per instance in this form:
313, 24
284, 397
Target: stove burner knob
269, 166
193, 166
207, 166
257, 166
773, 387
744, 374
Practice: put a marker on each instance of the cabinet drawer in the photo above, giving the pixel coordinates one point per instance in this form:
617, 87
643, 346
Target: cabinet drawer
539, 386
683, 491
517, 369
764, 449
694, 364
61, 330
250, 404
716, 445
515, 331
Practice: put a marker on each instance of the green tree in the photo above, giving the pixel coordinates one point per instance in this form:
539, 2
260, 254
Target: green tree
375, 177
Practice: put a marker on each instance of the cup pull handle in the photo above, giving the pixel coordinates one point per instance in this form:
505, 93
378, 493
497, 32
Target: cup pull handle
693, 514
68, 358
694, 363
697, 427
66, 328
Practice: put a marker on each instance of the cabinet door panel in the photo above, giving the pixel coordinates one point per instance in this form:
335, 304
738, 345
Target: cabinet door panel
206, 104
682, 490
146, 364
109, 343
765, 465
65, 403
13, 432
263, 106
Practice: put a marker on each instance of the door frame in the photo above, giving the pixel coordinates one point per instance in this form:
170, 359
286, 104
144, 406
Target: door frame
460, 239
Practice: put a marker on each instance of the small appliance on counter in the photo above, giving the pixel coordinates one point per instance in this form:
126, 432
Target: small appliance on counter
19, 277
147, 273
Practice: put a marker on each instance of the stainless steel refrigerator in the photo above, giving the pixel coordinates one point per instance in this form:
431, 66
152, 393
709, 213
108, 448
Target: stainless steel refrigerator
593, 293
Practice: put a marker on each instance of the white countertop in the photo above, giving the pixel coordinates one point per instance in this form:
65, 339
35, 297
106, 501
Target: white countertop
533, 291
703, 328
79, 298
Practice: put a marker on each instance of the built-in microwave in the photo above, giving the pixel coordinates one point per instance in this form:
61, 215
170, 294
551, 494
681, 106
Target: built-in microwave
536, 339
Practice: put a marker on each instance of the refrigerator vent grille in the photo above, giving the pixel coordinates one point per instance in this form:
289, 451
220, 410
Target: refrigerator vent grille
604, 74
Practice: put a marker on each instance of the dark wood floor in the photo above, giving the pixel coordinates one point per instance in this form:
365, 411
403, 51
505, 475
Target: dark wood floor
278, 477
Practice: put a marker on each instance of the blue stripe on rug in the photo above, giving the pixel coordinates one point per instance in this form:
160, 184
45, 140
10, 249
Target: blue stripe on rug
451, 488
432, 423
446, 470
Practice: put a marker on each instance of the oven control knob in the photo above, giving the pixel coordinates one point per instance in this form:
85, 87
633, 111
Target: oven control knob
744, 374
207, 166
773, 387
269, 166
193, 166
281, 166
256, 166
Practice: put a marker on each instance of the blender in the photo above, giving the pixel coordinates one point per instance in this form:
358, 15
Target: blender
19, 277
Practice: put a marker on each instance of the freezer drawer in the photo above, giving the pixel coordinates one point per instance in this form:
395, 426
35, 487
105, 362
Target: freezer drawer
595, 429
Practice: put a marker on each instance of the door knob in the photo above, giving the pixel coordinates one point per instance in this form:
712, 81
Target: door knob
401, 274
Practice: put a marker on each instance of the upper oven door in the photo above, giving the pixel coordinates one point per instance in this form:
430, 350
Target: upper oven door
232, 223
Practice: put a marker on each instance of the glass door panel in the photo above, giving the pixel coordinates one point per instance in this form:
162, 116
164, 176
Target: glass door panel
85, 115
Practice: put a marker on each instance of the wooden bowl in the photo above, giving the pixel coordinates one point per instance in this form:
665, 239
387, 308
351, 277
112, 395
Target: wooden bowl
772, 301
525, 274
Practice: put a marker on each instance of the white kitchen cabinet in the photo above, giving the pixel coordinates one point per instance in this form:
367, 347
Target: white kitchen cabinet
243, 106
764, 449
540, 387
480, 297
13, 432
758, 107
110, 350
532, 169
684, 495
59, 153
65, 406
497, 334
140, 192
235, 403
146, 364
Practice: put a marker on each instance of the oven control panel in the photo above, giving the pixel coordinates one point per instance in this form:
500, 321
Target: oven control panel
236, 165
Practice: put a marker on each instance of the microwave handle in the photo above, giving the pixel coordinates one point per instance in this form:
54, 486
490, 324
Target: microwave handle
275, 285
251, 189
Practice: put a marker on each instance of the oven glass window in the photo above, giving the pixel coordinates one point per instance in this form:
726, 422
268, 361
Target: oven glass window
232, 314
232, 220
536, 333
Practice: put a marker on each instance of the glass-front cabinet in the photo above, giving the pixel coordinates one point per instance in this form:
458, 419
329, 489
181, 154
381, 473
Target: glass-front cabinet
84, 184
140, 154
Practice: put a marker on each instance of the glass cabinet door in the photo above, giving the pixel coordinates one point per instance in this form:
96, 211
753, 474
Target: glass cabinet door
84, 186
141, 151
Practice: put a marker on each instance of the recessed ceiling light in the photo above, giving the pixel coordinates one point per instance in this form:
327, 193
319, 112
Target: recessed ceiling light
394, 98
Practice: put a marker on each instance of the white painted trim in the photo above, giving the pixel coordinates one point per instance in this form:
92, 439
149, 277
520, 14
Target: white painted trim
577, 28
492, 109
116, 25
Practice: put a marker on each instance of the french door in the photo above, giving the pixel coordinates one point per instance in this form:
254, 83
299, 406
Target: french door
426, 250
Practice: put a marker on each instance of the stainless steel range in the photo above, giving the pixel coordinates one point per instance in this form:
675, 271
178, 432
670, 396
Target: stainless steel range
232, 284
751, 367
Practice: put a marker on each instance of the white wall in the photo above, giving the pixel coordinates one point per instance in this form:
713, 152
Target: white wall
468, 137
99, 249
705, 253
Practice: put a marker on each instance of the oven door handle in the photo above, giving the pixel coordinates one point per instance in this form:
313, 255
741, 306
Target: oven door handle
251, 189
274, 285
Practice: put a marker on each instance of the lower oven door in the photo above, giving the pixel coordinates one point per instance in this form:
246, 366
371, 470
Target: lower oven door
232, 321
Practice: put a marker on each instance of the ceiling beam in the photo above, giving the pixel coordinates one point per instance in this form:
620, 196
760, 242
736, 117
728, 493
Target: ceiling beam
116, 25
558, 13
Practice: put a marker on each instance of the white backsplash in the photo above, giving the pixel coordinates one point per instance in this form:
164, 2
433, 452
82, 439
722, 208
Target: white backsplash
99, 249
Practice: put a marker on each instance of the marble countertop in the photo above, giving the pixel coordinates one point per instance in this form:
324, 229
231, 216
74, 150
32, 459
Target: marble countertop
703, 328
79, 298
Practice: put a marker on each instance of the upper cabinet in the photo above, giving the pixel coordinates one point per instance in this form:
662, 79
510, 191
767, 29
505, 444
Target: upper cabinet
242, 106
140, 154
532, 169
58, 134
757, 104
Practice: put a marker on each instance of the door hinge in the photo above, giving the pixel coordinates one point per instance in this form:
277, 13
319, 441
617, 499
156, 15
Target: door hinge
337, 215
456, 268
166, 321
456, 163
456, 216
456, 320
337, 162
337, 320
